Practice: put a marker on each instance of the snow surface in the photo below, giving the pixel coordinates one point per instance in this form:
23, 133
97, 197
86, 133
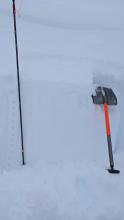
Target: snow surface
66, 49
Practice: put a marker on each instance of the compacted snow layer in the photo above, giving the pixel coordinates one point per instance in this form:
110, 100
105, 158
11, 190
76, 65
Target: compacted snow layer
60, 123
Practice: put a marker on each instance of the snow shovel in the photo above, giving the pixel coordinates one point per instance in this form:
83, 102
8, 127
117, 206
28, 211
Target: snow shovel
105, 96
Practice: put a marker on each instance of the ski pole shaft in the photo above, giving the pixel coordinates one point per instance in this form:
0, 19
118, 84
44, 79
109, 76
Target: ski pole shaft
108, 133
18, 81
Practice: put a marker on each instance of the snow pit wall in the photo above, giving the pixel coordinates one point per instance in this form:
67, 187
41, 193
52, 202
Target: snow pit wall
60, 123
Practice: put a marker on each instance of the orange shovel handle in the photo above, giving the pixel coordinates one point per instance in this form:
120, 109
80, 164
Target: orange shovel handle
108, 132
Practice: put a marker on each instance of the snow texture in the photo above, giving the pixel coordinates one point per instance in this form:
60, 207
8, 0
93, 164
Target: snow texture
66, 49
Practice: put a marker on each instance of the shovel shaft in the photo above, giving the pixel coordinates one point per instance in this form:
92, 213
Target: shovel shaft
108, 133
110, 152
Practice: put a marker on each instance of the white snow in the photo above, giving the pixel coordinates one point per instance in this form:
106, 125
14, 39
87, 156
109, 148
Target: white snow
66, 49
64, 191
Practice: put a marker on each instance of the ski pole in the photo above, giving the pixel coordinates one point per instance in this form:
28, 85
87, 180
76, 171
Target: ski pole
108, 133
18, 81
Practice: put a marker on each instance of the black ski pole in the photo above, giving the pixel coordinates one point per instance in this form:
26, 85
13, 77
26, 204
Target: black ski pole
18, 82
